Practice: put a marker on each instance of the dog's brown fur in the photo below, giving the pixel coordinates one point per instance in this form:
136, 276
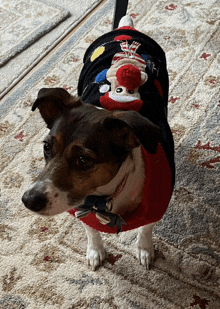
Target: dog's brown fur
84, 148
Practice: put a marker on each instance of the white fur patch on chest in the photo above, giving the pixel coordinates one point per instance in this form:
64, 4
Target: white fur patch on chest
133, 171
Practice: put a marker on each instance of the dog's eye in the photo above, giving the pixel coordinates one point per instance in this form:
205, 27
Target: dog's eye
131, 91
84, 162
47, 148
119, 90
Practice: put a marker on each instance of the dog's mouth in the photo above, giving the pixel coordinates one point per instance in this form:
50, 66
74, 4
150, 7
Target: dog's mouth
120, 187
112, 197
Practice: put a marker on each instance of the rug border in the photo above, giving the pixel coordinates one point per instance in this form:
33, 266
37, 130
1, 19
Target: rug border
63, 14
36, 76
46, 50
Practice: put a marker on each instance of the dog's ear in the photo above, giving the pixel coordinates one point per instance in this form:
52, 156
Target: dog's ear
52, 102
121, 135
148, 133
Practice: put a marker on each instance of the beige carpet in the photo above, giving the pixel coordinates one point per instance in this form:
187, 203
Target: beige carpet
42, 261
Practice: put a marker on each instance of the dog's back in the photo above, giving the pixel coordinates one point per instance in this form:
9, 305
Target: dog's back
126, 70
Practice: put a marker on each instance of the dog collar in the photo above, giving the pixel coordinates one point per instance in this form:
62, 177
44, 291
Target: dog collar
99, 205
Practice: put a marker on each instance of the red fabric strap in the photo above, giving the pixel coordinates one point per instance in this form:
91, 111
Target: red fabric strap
127, 28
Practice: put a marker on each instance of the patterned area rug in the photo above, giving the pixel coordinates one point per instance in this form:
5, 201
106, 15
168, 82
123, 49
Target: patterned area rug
22, 22
43, 259
18, 66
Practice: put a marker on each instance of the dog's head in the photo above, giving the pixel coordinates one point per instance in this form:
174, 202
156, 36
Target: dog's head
83, 151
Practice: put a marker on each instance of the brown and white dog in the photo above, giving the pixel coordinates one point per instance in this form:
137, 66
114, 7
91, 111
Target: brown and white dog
93, 151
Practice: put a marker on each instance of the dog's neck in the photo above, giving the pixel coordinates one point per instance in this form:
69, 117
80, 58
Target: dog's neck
126, 187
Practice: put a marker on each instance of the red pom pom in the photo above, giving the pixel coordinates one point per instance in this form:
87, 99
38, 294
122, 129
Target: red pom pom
129, 76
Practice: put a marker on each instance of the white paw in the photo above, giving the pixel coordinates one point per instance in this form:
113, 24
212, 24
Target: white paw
95, 256
145, 257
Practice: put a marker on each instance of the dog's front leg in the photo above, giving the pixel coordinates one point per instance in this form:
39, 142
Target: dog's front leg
145, 247
95, 249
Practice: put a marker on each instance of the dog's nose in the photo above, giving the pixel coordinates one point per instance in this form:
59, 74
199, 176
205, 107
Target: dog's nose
34, 200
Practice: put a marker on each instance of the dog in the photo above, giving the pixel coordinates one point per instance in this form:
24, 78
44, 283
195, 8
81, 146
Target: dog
109, 152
